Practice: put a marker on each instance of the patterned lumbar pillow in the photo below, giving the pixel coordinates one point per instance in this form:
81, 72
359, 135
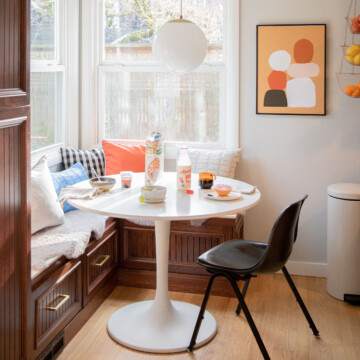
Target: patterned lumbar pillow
219, 162
45, 209
93, 158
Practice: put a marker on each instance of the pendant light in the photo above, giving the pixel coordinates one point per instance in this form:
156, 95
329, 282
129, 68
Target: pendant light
180, 45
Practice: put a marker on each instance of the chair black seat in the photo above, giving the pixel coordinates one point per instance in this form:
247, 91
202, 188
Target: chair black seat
242, 260
237, 256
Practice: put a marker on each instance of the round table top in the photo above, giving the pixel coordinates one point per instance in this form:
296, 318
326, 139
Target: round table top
124, 203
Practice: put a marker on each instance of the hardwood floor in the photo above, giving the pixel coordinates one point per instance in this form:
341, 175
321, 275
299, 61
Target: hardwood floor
277, 315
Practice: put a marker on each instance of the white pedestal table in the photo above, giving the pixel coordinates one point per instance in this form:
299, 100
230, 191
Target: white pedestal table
162, 325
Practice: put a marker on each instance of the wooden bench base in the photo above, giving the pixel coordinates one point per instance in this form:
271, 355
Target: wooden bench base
65, 295
68, 292
137, 261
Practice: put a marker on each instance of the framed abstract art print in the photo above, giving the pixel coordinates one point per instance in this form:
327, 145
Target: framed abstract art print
291, 69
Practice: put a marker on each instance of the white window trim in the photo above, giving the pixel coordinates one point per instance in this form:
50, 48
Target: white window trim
92, 67
89, 20
67, 62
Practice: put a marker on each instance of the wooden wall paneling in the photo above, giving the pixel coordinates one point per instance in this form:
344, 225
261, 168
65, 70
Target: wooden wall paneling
13, 290
14, 177
14, 53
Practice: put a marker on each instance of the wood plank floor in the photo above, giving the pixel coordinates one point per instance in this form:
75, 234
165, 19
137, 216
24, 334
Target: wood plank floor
277, 315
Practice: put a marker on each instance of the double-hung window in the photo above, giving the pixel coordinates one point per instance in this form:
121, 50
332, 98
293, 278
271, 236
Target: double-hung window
47, 73
136, 96
54, 76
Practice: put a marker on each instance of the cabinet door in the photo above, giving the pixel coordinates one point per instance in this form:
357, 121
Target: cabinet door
14, 176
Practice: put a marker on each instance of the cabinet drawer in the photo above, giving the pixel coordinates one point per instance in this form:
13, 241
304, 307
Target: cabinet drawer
100, 262
58, 305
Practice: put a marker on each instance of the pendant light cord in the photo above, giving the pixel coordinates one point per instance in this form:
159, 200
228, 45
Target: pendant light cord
181, 15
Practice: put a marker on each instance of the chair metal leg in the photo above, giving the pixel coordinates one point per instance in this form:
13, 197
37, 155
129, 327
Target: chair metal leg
300, 301
201, 313
244, 290
249, 318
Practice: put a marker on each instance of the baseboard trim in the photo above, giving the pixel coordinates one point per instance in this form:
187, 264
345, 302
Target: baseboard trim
306, 268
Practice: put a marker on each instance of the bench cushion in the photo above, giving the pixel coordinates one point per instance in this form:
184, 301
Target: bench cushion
69, 239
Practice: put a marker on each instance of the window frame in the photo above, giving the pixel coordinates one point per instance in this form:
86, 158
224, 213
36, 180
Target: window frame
66, 63
92, 80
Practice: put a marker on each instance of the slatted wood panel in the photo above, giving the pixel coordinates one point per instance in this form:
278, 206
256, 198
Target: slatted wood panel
186, 248
46, 319
10, 28
10, 242
186, 244
14, 176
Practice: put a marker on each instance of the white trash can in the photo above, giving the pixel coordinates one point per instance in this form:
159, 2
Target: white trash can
343, 242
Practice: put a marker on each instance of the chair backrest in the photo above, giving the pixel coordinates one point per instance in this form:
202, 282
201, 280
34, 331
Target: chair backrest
281, 240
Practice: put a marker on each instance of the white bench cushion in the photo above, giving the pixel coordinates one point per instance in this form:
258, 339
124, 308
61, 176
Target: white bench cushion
69, 239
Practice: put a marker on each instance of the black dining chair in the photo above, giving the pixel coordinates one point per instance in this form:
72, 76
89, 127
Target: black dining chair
242, 260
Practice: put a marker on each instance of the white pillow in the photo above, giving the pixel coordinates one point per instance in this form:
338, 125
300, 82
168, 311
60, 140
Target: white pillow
45, 209
219, 162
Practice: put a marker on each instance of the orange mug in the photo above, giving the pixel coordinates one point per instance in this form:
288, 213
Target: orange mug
206, 180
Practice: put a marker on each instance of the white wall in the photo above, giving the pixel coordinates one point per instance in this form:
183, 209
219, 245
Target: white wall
289, 156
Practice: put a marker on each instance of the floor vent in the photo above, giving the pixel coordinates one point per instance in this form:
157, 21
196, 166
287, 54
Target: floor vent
54, 349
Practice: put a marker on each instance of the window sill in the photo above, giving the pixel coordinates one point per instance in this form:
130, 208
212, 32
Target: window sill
52, 153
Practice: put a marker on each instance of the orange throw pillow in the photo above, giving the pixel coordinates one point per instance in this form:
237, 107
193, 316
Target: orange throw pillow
123, 157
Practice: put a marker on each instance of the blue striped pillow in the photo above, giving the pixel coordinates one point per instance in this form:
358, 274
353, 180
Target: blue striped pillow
70, 176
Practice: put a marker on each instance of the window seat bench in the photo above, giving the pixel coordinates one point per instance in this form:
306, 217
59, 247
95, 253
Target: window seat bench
67, 292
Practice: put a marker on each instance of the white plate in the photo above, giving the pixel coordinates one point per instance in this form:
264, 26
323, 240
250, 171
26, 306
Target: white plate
213, 195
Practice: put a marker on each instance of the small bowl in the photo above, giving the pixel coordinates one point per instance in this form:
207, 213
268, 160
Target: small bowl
153, 193
223, 189
105, 183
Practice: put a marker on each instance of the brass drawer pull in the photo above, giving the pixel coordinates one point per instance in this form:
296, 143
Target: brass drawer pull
106, 258
61, 303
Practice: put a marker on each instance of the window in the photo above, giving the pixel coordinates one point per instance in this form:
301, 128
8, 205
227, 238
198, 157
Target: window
136, 96
47, 74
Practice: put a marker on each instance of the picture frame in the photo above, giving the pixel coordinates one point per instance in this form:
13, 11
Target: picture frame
291, 69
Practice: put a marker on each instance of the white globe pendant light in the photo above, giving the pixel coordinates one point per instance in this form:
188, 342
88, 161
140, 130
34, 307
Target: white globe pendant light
180, 45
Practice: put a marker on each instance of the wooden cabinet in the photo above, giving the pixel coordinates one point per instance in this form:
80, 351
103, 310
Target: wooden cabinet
57, 301
100, 262
66, 294
14, 176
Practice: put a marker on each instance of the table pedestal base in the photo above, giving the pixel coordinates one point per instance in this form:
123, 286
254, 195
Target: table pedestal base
145, 326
